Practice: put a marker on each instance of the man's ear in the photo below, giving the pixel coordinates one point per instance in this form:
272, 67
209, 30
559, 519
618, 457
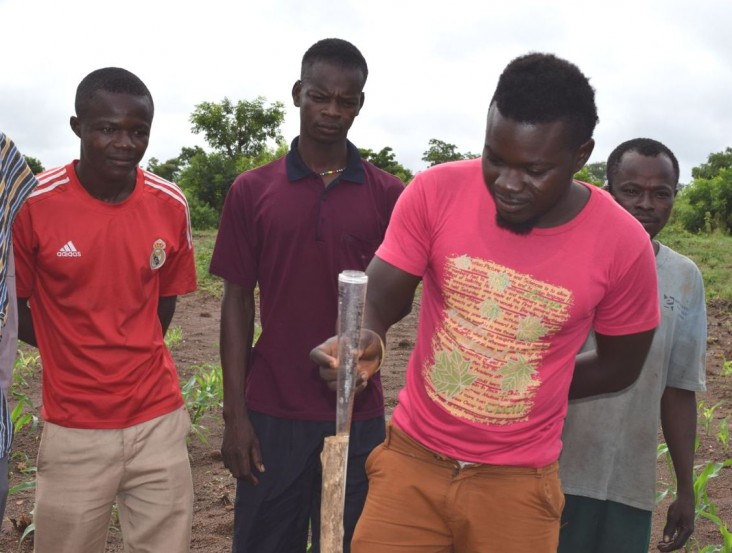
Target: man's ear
75, 125
583, 154
296, 90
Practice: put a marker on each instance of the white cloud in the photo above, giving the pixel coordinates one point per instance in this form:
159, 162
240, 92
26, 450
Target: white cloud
661, 69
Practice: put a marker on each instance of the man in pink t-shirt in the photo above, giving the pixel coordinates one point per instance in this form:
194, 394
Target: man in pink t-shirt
518, 262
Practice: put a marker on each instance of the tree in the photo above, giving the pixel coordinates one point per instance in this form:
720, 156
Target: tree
207, 177
441, 152
240, 129
238, 133
170, 170
35, 164
715, 163
594, 173
706, 204
385, 159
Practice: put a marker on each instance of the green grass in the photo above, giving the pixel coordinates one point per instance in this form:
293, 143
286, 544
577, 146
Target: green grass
203, 243
711, 252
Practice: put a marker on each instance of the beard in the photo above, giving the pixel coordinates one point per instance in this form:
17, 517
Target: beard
523, 228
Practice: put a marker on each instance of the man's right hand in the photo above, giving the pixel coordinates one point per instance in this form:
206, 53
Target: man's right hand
240, 450
371, 356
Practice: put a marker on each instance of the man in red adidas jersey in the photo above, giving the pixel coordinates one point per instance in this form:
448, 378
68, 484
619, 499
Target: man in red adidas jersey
103, 248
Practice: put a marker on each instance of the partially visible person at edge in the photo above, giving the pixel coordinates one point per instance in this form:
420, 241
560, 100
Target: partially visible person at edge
103, 248
289, 228
518, 261
16, 183
608, 464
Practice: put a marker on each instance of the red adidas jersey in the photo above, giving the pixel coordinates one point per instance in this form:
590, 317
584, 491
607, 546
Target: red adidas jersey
94, 272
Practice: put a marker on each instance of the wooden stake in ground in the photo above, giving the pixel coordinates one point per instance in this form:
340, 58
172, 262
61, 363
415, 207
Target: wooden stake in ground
334, 458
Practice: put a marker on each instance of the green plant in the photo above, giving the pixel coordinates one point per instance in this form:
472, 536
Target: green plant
723, 434
711, 252
203, 216
26, 526
706, 415
706, 508
19, 416
203, 392
663, 489
203, 248
26, 363
727, 368
173, 337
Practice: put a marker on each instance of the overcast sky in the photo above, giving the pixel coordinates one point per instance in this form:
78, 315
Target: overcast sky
661, 69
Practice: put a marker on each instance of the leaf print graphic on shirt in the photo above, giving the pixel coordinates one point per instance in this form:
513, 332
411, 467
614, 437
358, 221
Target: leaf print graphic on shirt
451, 373
488, 348
499, 281
530, 329
463, 262
490, 309
517, 374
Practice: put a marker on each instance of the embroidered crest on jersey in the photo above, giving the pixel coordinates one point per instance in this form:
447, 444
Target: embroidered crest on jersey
492, 340
157, 257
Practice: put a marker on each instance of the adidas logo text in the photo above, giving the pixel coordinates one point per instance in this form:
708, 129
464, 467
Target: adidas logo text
68, 250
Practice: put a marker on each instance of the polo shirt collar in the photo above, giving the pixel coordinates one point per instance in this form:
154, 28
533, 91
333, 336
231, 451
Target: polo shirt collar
296, 168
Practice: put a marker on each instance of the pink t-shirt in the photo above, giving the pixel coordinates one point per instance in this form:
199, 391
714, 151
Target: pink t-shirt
504, 315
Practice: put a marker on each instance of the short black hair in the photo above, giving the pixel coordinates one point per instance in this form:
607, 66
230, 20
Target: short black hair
644, 146
109, 79
338, 52
542, 88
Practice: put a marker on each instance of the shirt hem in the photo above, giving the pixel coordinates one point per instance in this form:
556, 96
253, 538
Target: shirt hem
318, 416
116, 425
593, 494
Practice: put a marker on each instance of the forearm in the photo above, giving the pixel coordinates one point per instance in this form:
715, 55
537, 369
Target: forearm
26, 331
236, 337
389, 296
613, 366
678, 421
166, 310
593, 377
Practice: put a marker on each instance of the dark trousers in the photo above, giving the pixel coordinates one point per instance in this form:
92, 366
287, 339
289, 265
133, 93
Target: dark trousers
275, 515
603, 527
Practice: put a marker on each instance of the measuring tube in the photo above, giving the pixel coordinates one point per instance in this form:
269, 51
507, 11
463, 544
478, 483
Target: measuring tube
351, 300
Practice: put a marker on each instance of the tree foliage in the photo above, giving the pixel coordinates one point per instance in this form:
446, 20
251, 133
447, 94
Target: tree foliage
706, 204
385, 159
442, 152
593, 173
240, 129
714, 165
207, 177
170, 170
35, 164
239, 135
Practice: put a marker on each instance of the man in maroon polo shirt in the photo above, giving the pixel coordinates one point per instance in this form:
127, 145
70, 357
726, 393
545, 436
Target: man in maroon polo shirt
290, 227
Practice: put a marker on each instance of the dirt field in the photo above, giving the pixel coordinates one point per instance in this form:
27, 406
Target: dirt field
198, 315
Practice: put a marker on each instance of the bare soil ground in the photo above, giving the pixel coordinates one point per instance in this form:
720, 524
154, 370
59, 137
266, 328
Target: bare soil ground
198, 315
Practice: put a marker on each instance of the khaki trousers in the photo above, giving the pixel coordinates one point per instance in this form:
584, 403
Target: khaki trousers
144, 467
422, 502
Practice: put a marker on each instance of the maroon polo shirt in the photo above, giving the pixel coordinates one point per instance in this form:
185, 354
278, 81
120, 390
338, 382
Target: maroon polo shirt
283, 230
